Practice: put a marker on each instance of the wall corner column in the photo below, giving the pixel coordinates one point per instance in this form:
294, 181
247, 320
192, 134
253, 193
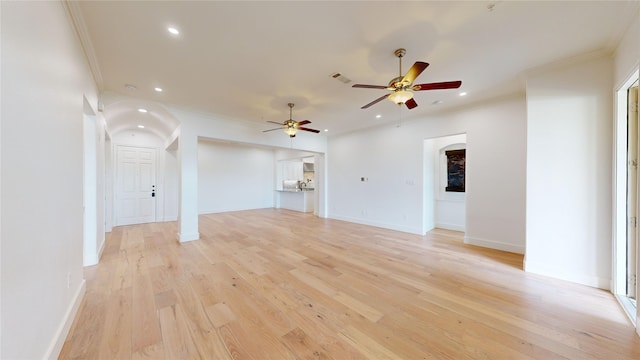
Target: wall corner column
188, 186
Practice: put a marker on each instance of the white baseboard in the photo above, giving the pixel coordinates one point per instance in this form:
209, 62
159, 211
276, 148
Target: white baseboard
395, 227
453, 227
93, 259
557, 273
224, 210
188, 237
492, 244
63, 329
101, 249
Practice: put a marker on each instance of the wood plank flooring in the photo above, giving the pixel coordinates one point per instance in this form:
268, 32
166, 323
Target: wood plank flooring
278, 284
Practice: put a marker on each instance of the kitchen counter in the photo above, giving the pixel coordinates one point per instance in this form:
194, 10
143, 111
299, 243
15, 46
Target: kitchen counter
298, 200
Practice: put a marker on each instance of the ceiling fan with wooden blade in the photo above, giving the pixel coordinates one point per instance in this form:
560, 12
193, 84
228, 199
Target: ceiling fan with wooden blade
291, 126
402, 86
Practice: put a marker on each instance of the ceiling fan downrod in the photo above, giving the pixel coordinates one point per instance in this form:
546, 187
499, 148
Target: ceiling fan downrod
400, 53
290, 110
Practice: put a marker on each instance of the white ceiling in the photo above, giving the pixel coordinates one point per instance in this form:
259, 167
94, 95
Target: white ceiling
247, 60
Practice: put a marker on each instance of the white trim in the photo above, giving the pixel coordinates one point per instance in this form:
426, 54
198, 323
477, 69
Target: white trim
492, 244
619, 198
63, 329
188, 237
405, 229
628, 307
545, 270
224, 210
101, 249
454, 227
73, 9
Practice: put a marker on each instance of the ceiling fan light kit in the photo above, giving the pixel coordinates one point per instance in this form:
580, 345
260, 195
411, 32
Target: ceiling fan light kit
402, 86
291, 130
400, 97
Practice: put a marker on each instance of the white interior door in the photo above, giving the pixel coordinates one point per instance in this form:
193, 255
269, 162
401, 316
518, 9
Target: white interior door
135, 185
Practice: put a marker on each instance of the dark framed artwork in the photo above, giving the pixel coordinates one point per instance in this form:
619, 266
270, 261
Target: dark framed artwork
455, 170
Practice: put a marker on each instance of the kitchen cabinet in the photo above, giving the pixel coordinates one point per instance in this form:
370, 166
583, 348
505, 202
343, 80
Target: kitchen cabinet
296, 200
292, 170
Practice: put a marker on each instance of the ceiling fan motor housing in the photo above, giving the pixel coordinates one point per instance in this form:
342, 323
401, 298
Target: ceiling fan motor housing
397, 84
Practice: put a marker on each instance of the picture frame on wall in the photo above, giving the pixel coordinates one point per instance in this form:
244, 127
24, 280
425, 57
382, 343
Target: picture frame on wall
456, 161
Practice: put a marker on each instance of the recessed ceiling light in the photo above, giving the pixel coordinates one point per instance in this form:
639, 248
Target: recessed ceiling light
157, 89
173, 30
325, 130
142, 110
140, 126
463, 93
378, 116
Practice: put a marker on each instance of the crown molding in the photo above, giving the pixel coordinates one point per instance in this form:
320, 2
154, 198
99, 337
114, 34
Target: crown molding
73, 9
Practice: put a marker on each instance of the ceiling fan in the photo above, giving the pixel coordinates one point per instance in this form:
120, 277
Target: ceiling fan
291, 126
402, 86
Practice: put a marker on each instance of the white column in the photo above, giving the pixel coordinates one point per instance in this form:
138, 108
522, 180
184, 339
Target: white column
320, 184
188, 187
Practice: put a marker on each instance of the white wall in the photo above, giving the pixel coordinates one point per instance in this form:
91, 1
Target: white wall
170, 182
94, 185
569, 167
234, 177
391, 158
428, 184
44, 79
108, 184
627, 54
90, 187
101, 135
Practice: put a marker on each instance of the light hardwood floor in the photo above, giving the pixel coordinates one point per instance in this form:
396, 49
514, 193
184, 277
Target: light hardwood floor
277, 284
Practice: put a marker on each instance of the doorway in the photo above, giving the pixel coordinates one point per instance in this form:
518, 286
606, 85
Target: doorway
626, 198
135, 185
442, 207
